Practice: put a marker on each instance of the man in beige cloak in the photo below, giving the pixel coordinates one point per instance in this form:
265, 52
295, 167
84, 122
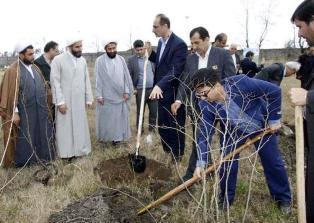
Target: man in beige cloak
71, 91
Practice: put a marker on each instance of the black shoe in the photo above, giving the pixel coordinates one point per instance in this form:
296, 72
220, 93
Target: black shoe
223, 205
285, 207
115, 143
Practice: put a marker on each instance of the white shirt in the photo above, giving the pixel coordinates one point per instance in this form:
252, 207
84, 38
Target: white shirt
163, 46
202, 62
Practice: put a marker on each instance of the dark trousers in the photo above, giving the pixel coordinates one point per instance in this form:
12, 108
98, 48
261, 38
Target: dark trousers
309, 174
274, 169
152, 107
171, 128
194, 156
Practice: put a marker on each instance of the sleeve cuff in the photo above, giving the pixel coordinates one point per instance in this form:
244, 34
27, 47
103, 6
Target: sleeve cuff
178, 101
273, 122
201, 163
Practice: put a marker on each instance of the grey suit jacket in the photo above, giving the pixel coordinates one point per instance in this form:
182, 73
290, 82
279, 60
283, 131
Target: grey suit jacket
134, 69
218, 57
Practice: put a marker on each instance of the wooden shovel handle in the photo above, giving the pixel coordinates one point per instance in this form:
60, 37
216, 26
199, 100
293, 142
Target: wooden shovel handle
195, 179
299, 136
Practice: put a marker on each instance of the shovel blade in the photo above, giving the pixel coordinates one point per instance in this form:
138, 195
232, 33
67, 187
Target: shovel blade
137, 162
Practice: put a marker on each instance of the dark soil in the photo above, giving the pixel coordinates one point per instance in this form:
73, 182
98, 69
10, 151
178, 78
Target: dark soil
105, 206
119, 170
115, 206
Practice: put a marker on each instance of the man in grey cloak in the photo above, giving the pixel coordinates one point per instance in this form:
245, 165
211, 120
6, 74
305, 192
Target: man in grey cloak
71, 92
26, 118
113, 89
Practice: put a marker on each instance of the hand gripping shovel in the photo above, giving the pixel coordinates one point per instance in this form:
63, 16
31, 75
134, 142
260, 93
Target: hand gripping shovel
138, 162
195, 179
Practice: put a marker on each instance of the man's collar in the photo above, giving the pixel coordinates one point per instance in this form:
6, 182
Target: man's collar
165, 40
207, 52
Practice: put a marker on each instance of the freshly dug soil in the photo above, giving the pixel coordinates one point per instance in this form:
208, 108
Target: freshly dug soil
105, 206
119, 170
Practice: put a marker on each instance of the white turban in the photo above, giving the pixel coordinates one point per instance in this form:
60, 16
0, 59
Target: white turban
71, 40
22, 45
293, 65
107, 41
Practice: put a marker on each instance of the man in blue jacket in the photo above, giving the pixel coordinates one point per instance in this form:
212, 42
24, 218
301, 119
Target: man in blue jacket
169, 61
244, 107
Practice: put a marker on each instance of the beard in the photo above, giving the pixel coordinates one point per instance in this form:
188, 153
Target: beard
27, 62
77, 54
112, 54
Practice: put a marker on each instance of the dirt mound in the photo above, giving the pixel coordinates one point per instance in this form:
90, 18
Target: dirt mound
105, 206
119, 170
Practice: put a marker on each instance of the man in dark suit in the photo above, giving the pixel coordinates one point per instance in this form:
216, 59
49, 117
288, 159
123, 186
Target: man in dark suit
43, 62
235, 57
170, 60
205, 56
275, 72
248, 66
303, 19
220, 40
51, 50
136, 69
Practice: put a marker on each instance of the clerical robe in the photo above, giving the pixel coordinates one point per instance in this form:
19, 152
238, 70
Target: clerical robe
31, 141
112, 81
70, 84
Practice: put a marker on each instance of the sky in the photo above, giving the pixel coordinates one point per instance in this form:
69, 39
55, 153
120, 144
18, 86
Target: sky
40, 21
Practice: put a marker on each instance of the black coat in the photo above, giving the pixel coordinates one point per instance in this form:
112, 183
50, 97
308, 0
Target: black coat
43, 66
307, 82
249, 67
273, 73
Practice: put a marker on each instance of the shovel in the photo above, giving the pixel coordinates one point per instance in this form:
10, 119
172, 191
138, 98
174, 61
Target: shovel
195, 179
300, 164
138, 162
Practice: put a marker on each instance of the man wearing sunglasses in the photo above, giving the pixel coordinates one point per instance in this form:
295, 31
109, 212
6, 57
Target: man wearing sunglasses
244, 107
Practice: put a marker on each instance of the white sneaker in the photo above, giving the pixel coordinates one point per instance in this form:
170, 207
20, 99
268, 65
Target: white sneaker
149, 139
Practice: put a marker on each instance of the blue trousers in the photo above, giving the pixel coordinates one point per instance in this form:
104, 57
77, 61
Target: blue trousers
274, 169
171, 128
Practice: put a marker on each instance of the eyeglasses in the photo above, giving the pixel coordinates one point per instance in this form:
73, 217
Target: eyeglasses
199, 95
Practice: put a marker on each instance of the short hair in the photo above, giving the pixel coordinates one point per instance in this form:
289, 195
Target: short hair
50, 45
138, 43
200, 30
220, 37
163, 19
28, 47
304, 12
205, 77
249, 54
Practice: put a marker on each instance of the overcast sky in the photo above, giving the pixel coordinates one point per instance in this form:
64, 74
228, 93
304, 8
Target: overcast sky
41, 20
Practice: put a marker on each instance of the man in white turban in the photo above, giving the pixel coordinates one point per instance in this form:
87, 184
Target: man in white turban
71, 91
113, 90
275, 72
26, 117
